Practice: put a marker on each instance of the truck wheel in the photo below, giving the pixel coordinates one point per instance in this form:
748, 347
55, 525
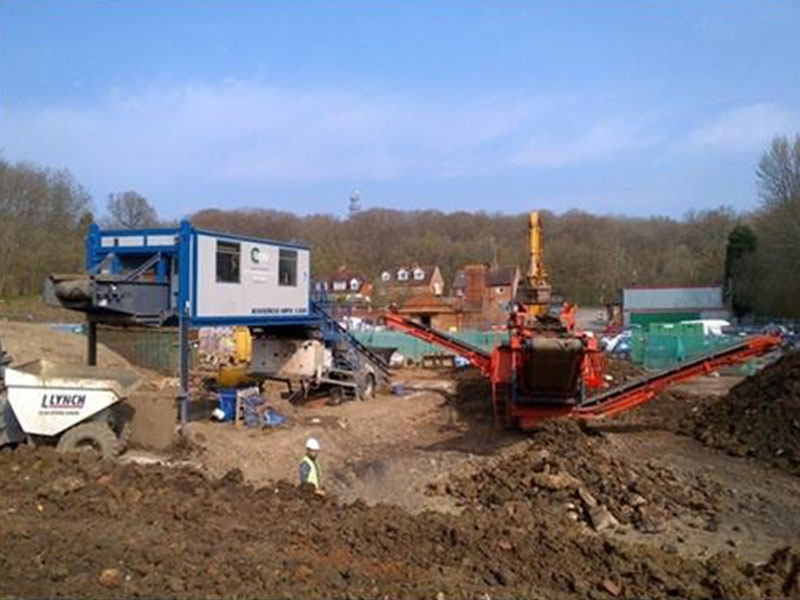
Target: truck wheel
121, 423
366, 388
335, 396
94, 435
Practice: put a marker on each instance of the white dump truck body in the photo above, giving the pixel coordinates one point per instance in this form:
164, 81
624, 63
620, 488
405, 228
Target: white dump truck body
48, 399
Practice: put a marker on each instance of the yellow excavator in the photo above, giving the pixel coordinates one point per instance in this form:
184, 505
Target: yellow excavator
534, 292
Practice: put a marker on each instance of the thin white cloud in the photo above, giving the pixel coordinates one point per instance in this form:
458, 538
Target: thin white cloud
245, 131
600, 140
743, 128
250, 133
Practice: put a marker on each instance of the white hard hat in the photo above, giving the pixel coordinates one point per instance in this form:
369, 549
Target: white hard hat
312, 444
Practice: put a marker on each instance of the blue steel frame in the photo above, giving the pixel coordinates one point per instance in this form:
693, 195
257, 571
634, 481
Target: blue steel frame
186, 252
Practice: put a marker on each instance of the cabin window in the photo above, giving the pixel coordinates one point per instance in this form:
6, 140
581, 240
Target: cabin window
386, 276
287, 268
402, 275
354, 285
419, 274
228, 261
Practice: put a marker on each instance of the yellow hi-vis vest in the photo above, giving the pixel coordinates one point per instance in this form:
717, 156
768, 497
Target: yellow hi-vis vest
314, 476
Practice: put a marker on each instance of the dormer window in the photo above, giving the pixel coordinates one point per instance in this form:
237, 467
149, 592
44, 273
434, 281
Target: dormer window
354, 284
419, 274
386, 276
402, 275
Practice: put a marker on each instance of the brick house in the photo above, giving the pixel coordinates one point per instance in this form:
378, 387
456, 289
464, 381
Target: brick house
345, 286
482, 295
399, 284
500, 291
433, 311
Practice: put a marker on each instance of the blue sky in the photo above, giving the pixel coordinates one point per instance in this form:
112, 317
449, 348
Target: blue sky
639, 107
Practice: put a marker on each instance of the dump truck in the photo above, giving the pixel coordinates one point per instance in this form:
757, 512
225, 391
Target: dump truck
73, 407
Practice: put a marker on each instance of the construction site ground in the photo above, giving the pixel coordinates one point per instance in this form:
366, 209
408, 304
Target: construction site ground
425, 497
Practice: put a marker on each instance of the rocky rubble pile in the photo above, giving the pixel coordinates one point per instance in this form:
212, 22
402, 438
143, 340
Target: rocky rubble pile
563, 468
75, 527
621, 370
759, 417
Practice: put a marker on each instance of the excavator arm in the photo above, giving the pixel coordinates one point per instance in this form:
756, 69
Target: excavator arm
534, 291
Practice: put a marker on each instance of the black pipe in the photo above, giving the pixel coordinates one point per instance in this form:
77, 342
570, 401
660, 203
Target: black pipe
91, 340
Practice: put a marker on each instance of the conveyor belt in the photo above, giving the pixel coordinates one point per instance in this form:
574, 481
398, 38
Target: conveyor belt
378, 362
638, 391
477, 356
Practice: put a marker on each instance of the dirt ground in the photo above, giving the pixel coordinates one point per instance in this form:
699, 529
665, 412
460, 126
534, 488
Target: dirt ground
153, 401
31, 341
425, 499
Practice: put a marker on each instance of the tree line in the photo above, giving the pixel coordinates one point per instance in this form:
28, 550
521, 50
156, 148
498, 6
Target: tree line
589, 257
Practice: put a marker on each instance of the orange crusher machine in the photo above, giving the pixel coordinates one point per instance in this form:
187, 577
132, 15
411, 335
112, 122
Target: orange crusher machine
547, 366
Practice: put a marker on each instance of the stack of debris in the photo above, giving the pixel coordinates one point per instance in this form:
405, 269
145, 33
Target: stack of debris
564, 469
759, 417
76, 527
216, 347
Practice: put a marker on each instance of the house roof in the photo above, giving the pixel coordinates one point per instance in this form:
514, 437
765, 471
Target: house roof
501, 276
342, 274
462, 276
426, 303
394, 281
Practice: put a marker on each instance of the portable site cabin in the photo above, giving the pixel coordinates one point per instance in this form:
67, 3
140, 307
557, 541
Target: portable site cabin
148, 276
194, 277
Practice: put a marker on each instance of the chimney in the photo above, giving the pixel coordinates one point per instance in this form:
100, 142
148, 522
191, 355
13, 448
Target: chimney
475, 276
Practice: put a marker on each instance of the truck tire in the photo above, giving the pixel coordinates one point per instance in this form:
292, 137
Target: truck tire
92, 435
335, 396
366, 387
121, 422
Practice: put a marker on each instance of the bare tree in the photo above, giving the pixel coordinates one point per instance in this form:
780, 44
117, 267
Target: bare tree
778, 174
44, 215
130, 210
778, 227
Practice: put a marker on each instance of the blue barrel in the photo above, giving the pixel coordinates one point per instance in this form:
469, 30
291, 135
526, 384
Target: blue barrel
226, 402
397, 389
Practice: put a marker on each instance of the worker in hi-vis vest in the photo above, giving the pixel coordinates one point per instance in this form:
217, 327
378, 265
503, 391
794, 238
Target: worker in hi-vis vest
310, 473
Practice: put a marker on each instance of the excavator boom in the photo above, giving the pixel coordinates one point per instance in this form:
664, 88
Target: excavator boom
534, 292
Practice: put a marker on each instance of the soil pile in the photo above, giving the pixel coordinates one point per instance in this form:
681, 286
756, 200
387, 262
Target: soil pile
670, 411
759, 417
622, 370
75, 527
564, 470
